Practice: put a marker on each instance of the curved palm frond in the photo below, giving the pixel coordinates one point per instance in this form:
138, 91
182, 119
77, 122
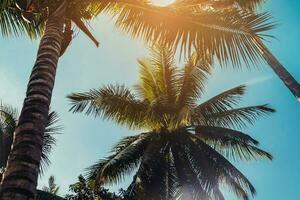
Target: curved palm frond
231, 143
112, 102
125, 158
220, 103
49, 140
238, 117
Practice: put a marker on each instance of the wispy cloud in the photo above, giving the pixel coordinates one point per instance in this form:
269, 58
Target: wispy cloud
259, 80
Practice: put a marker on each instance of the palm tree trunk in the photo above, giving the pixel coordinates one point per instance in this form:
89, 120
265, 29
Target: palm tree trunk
21, 174
279, 69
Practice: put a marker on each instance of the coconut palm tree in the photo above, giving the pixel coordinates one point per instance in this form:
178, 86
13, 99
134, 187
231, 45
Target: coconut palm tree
8, 124
186, 144
229, 30
52, 187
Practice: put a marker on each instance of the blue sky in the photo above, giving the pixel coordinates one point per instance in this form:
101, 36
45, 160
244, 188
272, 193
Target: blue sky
87, 139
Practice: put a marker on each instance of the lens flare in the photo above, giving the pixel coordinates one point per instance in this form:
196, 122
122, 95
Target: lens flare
162, 2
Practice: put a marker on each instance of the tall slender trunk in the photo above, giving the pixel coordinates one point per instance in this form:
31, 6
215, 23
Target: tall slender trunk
279, 69
21, 174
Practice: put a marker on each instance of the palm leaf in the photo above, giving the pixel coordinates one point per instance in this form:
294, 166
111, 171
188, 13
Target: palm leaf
162, 60
225, 168
12, 23
112, 102
148, 86
222, 102
230, 143
49, 140
227, 35
238, 117
190, 186
125, 158
223, 4
191, 80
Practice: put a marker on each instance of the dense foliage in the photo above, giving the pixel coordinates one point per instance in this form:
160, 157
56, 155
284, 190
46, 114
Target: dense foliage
86, 190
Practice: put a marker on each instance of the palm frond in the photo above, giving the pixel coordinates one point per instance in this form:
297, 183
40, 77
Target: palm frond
125, 158
191, 80
190, 186
162, 60
225, 168
250, 5
113, 102
151, 176
12, 22
239, 117
230, 143
236, 188
49, 140
220, 103
148, 86
227, 35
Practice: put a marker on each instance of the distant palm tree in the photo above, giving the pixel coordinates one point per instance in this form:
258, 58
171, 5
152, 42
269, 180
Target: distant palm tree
52, 187
183, 149
229, 30
8, 123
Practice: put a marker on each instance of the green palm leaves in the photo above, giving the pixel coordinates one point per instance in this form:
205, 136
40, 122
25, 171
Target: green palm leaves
12, 22
184, 153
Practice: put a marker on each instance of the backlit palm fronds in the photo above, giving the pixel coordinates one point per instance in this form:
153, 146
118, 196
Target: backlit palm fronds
162, 62
227, 35
192, 81
221, 4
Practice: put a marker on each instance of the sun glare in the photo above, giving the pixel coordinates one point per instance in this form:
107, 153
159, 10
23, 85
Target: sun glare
162, 2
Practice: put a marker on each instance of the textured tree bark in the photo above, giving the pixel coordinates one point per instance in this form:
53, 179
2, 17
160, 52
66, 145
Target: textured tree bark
21, 174
279, 69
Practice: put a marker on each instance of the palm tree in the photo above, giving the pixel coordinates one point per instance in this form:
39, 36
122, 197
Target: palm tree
185, 146
52, 187
229, 30
8, 123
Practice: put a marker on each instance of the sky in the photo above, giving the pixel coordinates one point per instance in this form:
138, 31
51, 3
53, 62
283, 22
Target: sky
86, 139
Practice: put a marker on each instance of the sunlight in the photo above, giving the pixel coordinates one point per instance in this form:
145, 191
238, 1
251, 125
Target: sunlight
162, 2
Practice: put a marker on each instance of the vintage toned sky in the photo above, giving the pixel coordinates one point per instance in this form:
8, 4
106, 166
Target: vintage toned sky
87, 139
